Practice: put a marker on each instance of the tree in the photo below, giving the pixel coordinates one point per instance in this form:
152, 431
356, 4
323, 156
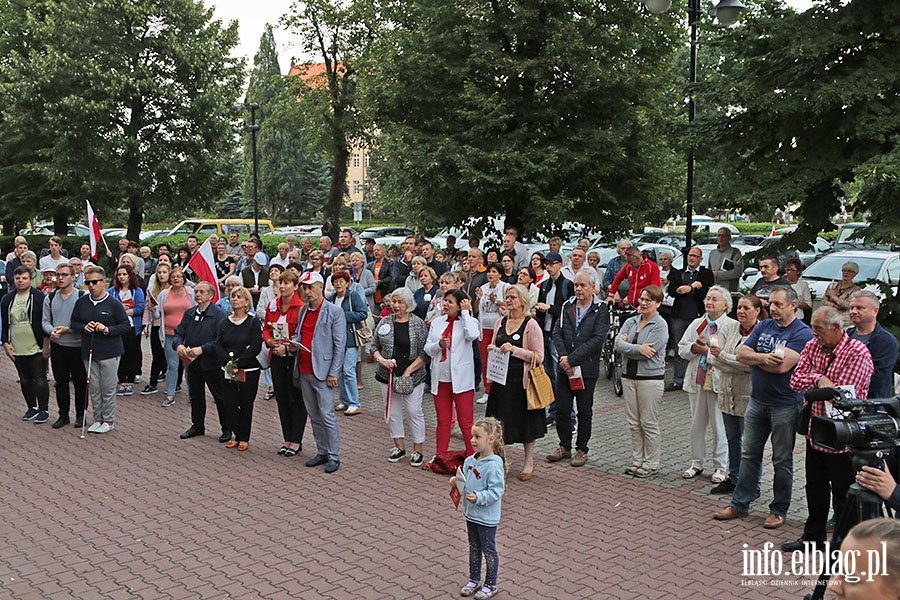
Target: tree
291, 178
543, 111
338, 33
129, 103
810, 106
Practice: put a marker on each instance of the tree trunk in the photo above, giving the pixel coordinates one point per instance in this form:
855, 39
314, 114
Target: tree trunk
60, 223
332, 225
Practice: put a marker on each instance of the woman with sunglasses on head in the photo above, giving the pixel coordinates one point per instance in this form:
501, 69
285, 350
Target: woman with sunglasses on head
172, 304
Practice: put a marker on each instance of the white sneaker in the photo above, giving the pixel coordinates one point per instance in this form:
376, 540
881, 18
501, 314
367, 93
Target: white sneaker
138, 379
94, 427
105, 427
353, 410
482, 400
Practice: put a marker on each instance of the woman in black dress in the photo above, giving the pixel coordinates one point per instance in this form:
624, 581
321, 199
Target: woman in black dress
519, 335
240, 341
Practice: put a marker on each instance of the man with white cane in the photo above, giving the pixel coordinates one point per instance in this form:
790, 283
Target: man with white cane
104, 319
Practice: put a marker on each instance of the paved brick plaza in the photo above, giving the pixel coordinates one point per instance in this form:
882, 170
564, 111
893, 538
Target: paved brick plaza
139, 513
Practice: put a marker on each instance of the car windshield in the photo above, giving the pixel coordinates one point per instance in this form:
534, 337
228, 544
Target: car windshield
829, 268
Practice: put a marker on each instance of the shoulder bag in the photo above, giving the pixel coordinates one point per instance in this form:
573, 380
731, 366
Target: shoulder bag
363, 331
540, 390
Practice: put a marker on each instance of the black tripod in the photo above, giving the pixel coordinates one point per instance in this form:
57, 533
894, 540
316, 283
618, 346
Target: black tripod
861, 505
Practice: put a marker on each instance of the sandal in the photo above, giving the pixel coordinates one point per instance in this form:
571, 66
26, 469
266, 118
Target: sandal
691, 472
719, 476
243, 446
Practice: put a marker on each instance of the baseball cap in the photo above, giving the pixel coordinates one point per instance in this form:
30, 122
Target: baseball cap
310, 278
553, 257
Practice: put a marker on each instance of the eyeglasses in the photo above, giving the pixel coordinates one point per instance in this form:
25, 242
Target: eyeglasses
63, 274
695, 256
645, 300
92, 281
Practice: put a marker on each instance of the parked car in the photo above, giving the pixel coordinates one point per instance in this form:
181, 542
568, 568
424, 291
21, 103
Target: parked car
880, 265
46, 228
386, 236
808, 256
304, 230
852, 236
221, 227
713, 227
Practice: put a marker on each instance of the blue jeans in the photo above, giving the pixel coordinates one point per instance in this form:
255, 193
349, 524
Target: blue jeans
482, 541
172, 361
734, 431
349, 391
759, 423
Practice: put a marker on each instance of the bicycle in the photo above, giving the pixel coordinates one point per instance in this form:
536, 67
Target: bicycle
612, 360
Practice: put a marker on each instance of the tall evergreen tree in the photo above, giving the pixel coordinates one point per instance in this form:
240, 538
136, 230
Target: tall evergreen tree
291, 177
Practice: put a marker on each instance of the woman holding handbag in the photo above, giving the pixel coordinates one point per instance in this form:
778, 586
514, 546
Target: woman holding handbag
520, 336
355, 312
399, 350
453, 367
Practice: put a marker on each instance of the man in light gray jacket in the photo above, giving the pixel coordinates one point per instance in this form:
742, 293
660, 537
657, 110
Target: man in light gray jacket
320, 344
726, 261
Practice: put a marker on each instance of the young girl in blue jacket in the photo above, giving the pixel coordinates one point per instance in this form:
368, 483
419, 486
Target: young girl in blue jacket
485, 473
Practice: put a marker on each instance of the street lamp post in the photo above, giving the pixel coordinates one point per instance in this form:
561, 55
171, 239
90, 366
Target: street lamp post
727, 12
252, 129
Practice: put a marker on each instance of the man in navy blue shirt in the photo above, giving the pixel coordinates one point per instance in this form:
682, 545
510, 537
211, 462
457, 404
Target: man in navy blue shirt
772, 350
881, 344
195, 341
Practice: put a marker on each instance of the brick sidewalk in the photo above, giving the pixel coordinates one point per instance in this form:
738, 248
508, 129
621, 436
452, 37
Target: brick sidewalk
139, 513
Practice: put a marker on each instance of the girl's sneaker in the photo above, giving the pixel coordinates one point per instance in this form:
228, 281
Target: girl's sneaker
486, 592
469, 589
416, 460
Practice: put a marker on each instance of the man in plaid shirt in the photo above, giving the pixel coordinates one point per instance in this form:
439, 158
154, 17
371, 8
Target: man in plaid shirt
831, 359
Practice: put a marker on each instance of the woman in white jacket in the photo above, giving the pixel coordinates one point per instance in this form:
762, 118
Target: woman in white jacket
694, 346
453, 367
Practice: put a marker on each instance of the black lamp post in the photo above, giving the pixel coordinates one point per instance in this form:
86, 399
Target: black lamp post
252, 128
727, 12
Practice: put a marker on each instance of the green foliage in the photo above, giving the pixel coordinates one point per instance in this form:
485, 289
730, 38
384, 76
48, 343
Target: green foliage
123, 103
337, 33
292, 179
542, 111
810, 106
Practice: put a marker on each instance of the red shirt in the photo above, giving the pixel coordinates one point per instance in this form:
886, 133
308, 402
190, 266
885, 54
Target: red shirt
304, 357
646, 274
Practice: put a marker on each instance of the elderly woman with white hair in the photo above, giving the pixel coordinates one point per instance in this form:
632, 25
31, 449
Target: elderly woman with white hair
838, 293
694, 346
30, 261
399, 350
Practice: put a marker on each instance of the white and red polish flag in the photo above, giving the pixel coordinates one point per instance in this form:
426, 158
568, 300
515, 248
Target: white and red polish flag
94, 226
203, 263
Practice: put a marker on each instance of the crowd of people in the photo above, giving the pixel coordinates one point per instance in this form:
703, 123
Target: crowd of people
459, 321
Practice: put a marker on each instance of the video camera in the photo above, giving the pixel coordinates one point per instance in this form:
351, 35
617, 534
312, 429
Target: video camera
872, 427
